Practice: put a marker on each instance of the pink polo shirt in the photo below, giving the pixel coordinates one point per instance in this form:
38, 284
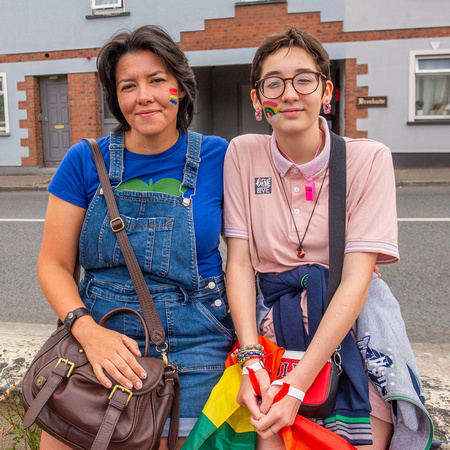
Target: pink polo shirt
255, 206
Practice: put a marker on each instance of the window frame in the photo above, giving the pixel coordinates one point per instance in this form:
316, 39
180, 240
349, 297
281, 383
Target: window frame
119, 4
415, 56
4, 131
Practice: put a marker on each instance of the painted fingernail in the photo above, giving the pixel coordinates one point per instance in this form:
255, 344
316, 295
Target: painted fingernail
129, 385
138, 385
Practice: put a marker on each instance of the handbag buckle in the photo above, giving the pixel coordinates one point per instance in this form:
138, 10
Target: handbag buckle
66, 361
163, 354
117, 224
127, 391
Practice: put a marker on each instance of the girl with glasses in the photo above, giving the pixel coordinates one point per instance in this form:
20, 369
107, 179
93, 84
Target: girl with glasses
276, 223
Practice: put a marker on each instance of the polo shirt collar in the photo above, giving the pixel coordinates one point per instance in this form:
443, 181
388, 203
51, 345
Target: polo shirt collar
283, 165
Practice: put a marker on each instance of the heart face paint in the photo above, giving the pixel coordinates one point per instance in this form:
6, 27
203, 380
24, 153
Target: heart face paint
173, 97
271, 110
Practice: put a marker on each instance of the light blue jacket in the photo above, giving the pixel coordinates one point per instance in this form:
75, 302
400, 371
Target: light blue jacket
392, 367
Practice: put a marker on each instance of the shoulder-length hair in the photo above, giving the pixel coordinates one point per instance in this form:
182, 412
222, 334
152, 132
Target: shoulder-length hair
156, 40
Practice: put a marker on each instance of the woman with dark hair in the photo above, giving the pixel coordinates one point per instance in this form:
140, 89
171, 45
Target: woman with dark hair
153, 162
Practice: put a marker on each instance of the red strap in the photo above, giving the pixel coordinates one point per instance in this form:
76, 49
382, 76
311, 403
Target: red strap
282, 393
254, 381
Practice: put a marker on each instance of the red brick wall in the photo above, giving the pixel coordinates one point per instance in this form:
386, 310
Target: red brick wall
250, 25
247, 29
43, 56
84, 106
32, 106
84, 111
352, 90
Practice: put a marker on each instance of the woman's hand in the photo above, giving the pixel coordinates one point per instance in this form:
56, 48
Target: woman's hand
110, 351
275, 416
248, 397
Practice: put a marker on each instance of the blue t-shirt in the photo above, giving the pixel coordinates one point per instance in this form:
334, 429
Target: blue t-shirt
76, 182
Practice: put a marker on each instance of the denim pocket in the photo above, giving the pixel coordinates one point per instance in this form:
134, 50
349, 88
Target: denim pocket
150, 239
215, 311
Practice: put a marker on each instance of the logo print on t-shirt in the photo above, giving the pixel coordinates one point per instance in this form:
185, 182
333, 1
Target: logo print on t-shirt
263, 185
169, 186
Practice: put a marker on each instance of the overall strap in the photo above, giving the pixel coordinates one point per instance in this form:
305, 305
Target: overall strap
337, 202
190, 170
116, 157
151, 317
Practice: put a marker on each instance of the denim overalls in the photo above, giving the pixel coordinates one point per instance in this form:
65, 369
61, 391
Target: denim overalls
193, 311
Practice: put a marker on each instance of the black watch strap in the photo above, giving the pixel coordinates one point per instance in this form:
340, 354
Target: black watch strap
74, 315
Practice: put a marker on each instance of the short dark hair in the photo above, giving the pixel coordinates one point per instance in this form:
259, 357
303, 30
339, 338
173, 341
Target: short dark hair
293, 37
156, 40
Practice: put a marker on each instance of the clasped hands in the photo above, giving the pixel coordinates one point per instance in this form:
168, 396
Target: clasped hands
271, 409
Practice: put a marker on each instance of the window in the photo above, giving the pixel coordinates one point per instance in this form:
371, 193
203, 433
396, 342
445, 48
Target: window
105, 8
431, 93
106, 4
4, 125
260, 1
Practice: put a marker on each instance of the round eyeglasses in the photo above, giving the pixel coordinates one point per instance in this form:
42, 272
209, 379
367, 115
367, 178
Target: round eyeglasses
304, 83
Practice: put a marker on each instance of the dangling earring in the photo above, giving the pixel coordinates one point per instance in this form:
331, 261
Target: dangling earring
327, 108
258, 115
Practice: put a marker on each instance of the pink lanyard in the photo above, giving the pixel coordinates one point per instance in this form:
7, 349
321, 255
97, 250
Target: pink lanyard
310, 186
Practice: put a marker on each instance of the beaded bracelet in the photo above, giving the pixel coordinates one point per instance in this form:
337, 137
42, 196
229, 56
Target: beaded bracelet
250, 347
243, 359
293, 392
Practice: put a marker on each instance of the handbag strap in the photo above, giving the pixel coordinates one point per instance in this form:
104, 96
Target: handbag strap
337, 201
151, 317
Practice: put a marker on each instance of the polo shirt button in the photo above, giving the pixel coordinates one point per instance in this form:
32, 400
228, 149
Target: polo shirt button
211, 285
296, 211
295, 170
296, 189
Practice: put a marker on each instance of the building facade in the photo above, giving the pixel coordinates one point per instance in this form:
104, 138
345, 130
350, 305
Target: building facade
390, 69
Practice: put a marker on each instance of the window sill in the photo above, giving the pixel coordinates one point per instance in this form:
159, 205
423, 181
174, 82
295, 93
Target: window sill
2, 134
258, 2
430, 122
112, 14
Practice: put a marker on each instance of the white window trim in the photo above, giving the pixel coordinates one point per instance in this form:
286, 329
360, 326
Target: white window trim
5, 100
110, 6
413, 55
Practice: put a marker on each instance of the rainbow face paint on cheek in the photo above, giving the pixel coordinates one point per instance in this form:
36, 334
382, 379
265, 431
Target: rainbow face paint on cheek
271, 110
173, 97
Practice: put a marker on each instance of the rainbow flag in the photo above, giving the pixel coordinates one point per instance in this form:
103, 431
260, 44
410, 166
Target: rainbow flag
223, 423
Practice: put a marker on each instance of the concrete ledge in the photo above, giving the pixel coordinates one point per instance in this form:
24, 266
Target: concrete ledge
19, 343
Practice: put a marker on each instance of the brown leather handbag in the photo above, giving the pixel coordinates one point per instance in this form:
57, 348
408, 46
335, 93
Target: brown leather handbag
61, 393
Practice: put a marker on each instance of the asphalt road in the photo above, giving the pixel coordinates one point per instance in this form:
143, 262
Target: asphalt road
420, 280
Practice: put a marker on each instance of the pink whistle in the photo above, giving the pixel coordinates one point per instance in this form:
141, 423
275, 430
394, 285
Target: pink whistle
310, 187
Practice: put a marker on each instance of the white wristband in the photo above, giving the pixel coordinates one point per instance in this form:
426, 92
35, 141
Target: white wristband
255, 367
293, 392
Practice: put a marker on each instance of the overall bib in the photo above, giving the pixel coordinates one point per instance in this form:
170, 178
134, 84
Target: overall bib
193, 311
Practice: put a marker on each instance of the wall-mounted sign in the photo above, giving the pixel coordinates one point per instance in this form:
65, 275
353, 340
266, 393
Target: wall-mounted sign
371, 102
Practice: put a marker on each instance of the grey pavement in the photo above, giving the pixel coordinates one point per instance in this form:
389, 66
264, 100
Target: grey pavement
20, 342
16, 179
